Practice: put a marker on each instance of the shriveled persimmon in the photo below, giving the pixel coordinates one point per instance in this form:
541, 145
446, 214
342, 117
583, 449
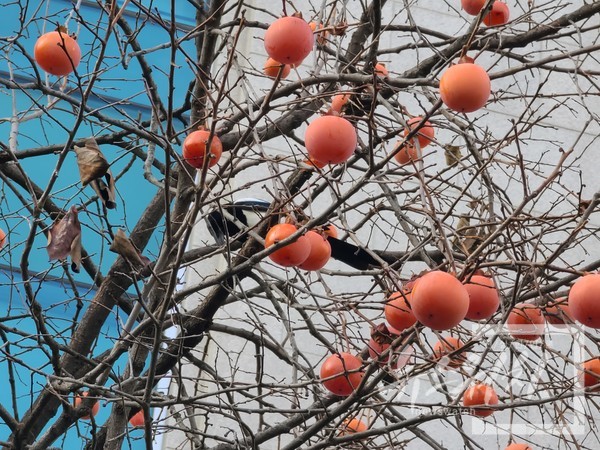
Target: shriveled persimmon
330, 139
289, 255
479, 396
398, 312
449, 345
584, 300
498, 15
425, 134
195, 149
465, 87
289, 40
95, 407
589, 375
483, 297
57, 53
273, 67
439, 301
341, 373
320, 252
525, 321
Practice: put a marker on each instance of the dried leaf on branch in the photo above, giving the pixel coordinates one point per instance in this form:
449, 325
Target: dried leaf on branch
123, 246
91, 162
93, 167
64, 238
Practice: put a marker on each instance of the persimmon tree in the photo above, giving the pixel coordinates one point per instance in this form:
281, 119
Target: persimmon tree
478, 191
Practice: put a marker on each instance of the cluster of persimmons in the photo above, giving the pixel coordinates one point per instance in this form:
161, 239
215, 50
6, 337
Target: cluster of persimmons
436, 299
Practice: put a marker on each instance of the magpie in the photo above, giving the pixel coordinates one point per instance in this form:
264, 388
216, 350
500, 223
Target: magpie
229, 220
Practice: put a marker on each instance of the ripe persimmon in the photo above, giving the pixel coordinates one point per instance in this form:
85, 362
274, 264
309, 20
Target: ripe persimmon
289, 40
465, 87
273, 67
480, 395
516, 446
425, 134
525, 321
444, 347
498, 15
330, 139
320, 252
439, 301
382, 337
319, 32
2, 238
352, 425
558, 312
57, 53
381, 70
137, 420
330, 230
398, 312
289, 255
407, 153
589, 374
95, 408
339, 101
472, 7
341, 374
584, 300
194, 149
483, 297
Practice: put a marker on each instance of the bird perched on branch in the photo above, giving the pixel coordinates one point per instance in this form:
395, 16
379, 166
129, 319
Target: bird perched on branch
233, 220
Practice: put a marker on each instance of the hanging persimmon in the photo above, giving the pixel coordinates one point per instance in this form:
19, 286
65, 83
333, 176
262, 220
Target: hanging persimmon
472, 7
273, 67
57, 53
584, 300
480, 395
289, 40
194, 149
330, 139
483, 297
465, 87
498, 15
526, 321
289, 255
137, 420
320, 252
341, 373
425, 134
408, 153
439, 301
339, 101
398, 312
93, 410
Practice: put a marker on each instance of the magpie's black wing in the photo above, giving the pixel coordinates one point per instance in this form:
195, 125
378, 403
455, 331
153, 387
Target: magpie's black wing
232, 218
351, 254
